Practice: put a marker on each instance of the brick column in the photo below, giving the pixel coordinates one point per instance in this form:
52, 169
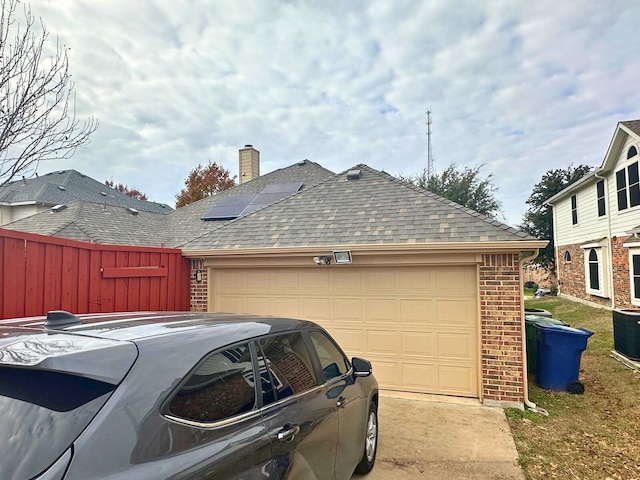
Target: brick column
501, 331
199, 290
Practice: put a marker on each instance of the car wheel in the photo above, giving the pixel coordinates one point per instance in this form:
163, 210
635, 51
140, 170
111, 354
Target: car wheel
370, 441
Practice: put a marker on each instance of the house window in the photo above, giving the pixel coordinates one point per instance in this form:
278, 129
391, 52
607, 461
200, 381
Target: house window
567, 257
574, 210
602, 208
633, 151
635, 276
594, 270
634, 185
628, 180
621, 187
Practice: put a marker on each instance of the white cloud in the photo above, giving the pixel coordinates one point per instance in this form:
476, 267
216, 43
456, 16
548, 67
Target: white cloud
519, 87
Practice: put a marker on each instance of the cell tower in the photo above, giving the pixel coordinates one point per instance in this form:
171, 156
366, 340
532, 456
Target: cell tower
430, 171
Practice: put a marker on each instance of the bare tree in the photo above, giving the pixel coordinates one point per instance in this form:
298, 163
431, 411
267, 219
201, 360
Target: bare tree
37, 97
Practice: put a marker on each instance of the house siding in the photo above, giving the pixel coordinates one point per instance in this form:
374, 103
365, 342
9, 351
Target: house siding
614, 227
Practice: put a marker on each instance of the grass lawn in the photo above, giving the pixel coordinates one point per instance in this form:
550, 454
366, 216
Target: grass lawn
595, 435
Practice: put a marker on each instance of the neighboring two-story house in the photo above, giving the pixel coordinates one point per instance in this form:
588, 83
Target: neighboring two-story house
596, 223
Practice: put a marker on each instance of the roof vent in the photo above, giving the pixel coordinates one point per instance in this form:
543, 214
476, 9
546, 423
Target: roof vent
58, 208
132, 211
104, 194
60, 318
353, 174
303, 162
60, 187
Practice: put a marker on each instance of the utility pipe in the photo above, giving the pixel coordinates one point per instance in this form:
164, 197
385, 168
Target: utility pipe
527, 402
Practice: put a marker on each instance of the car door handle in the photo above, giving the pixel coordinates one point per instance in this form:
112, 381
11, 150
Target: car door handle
340, 403
288, 433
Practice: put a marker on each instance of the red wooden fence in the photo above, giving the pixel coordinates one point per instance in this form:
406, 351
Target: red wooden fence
40, 273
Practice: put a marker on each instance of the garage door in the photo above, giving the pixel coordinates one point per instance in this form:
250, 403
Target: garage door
417, 325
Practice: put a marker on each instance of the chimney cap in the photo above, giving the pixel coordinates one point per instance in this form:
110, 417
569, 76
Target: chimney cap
248, 146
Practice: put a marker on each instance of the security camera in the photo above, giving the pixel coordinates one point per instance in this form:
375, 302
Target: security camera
322, 260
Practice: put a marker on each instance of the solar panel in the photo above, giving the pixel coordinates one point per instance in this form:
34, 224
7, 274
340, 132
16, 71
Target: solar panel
287, 188
228, 207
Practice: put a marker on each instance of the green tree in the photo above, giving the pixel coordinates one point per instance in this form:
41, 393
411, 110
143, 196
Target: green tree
538, 219
37, 97
203, 182
462, 185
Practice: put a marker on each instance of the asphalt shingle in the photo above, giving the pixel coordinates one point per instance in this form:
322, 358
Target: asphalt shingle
633, 125
68, 186
374, 209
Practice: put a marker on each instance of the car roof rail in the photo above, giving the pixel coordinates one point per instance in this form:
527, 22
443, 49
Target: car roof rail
60, 318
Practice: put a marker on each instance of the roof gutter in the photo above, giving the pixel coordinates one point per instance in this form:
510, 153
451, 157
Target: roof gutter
527, 402
566, 191
434, 247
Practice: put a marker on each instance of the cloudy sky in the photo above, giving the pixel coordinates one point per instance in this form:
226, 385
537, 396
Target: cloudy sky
519, 87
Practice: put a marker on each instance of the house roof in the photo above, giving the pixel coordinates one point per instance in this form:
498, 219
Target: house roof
106, 224
376, 208
115, 225
623, 129
185, 221
66, 186
329, 209
633, 125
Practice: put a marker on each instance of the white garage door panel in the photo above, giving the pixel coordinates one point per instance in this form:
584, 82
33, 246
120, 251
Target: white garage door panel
417, 325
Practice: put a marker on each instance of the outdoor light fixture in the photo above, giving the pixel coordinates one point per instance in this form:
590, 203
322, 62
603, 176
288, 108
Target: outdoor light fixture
342, 256
322, 259
199, 276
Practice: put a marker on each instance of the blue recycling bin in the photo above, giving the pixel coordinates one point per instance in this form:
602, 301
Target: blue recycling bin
559, 352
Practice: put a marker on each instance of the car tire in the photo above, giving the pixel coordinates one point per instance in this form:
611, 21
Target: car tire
370, 441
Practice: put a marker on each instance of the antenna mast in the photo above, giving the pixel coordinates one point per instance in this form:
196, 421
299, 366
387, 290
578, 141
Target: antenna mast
430, 171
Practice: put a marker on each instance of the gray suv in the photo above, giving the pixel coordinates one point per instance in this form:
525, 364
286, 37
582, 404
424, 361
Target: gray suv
181, 396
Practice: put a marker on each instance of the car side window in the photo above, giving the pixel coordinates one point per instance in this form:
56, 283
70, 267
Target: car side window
332, 361
285, 367
221, 387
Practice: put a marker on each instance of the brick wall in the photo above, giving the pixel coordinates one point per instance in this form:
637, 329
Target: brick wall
198, 296
572, 279
621, 281
501, 329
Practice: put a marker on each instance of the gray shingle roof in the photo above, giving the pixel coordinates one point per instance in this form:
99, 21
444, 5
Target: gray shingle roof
92, 222
633, 125
186, 224
68, 186
99, 223
374, 209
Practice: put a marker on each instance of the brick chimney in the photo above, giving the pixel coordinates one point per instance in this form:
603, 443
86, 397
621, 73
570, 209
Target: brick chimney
249, 163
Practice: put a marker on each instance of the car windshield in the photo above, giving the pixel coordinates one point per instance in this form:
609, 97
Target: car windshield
43, 412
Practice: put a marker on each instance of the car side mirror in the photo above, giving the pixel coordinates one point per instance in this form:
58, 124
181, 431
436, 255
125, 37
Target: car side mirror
361, 367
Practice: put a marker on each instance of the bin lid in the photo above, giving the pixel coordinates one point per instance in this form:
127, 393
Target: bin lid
530, 319
564, 330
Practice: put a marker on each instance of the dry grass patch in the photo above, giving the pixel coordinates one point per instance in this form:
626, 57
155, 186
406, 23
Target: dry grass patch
595, 435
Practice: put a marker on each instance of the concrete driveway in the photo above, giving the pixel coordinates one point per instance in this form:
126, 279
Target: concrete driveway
429, 439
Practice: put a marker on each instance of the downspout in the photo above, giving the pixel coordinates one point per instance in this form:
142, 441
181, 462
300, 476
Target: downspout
527, 402
611, 287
